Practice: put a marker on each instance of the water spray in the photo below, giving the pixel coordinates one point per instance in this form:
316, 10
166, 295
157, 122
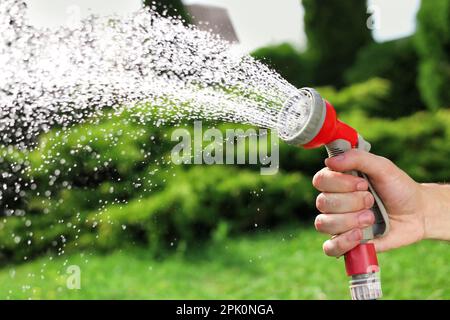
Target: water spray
309, 121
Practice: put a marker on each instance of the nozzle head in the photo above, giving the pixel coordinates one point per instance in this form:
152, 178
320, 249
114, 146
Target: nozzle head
308, 120
302, 117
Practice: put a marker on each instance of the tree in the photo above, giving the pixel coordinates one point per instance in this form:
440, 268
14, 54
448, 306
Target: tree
433, 45
336, 30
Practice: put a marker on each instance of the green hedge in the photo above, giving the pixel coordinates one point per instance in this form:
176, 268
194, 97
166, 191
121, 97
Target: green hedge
397, 62
433, 45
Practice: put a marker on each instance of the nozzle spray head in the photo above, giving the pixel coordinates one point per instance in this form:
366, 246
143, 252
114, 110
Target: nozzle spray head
310, 121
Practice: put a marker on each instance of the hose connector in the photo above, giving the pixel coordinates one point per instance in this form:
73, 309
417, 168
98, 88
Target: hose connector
366, 286
361, 264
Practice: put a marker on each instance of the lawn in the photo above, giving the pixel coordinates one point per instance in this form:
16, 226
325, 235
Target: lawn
283, 264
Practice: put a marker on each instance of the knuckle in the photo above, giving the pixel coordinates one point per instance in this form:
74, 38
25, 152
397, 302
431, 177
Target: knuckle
318, 223
327, 203
322, 223
327, 248
367, 199
386, 163
385, 160
321, 202
332, 202
339, 245
317, 179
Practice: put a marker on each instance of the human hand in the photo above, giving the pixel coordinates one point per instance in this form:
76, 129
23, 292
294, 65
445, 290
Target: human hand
345, 202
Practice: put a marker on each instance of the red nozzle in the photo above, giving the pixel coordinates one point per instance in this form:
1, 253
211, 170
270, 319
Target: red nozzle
361, 259
333, 129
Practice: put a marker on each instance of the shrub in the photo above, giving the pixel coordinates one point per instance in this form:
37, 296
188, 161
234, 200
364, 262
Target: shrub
368, 97
433, 44
397, 62
195, 204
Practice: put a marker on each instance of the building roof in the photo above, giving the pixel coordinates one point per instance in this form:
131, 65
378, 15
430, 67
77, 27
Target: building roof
213, 18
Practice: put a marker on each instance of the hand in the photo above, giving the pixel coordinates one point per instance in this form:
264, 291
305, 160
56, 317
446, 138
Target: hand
345, 202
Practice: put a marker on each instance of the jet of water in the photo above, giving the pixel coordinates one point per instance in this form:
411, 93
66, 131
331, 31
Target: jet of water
172, 71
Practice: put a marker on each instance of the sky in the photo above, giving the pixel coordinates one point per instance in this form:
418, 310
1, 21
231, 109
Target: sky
257, 22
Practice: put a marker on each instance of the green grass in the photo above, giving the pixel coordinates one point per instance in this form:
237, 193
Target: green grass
283, 264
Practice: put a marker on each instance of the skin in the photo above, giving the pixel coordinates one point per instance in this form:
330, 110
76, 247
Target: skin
416, 211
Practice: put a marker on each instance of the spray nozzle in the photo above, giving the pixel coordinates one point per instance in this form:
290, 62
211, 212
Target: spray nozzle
310, 121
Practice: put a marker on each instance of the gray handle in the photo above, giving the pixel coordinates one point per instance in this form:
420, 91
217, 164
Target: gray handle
381, 226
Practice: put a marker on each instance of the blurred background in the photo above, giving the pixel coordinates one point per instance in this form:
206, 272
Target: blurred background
228, 232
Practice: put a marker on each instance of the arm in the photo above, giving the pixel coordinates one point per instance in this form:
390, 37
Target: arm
437, 222
416, 211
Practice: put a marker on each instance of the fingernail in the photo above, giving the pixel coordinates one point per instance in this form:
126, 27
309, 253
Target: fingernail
362, 186
355, 235
366, 218
339, 157
368, 200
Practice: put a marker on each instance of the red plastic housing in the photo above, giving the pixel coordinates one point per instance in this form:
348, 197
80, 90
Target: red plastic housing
361, 259
333, 129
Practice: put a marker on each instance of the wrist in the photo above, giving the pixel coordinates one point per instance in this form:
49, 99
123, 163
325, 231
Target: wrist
436, 211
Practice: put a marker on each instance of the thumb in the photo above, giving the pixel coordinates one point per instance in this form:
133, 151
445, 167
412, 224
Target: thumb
379, 169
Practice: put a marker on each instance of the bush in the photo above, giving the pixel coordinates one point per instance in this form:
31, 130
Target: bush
397, 62
419, 144
199, 202
433, 44
368, 97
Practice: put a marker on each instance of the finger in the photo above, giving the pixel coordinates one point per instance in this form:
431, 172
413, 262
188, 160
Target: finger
344, 202
343, 222
342, 243
331, 181
378, 168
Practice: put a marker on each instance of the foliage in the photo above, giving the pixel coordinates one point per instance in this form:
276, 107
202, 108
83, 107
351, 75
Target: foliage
96, 179
433, 45
336, 30
368, 97
397, 62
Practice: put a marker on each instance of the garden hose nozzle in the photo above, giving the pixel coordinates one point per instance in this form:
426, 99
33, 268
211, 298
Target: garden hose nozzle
310, 121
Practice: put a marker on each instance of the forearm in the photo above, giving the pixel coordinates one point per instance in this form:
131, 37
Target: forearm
437, 214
